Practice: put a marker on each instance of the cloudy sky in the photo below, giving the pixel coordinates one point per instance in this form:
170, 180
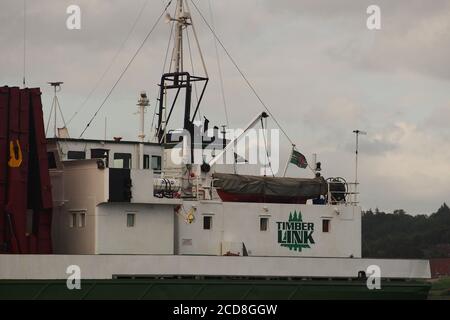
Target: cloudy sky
314, 62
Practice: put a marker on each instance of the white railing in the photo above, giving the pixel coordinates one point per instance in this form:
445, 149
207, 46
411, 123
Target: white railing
348, 197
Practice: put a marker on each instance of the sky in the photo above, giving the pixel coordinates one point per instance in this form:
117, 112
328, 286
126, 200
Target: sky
315, 63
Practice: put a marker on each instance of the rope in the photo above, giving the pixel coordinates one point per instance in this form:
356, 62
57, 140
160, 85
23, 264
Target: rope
126, 68
219, 67
241, 73
83, 104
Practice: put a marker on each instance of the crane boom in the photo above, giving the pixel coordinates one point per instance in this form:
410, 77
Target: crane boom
236, 139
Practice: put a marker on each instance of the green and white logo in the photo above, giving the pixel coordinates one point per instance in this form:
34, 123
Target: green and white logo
295, 234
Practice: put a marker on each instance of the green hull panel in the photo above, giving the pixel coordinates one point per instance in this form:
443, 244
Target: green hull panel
205, 289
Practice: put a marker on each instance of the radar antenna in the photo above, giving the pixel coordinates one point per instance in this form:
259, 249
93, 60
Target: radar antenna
56, 107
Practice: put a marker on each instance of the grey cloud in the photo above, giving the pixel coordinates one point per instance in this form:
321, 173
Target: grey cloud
406, 37
374, 147
313, 62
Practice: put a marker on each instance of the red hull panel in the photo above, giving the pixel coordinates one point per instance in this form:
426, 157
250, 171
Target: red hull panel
24, 175
43, 210
236, 197
16, 193
41, 148
4, 102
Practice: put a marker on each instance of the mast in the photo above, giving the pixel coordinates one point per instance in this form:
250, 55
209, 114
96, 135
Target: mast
54, 110
181, 22
178, 79
357, 133
142, 104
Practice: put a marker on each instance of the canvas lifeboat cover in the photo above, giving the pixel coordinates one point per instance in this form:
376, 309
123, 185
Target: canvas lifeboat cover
271, 186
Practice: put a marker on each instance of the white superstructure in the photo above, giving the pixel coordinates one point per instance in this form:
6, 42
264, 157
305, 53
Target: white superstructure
86, 220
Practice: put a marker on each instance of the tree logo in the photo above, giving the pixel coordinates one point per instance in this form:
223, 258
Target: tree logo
295, 234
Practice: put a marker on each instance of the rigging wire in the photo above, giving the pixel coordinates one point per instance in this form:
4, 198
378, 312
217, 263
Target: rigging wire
198, 43
242, 73
97, 84
62, 115
193, 71
221, 82
49, 118
126, 68
24, 40
163, 70
219, 67
166, 58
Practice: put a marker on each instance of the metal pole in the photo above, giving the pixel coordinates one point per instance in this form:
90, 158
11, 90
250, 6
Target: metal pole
55, 104
143, 102
356, 157
55, 119
142, 136
178, 52
288, 160
237, 138
357, 133
315, 161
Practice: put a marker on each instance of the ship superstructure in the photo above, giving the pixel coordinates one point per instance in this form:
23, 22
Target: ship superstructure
165, 206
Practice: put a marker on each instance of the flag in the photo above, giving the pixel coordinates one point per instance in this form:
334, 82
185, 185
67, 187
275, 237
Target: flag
299, 159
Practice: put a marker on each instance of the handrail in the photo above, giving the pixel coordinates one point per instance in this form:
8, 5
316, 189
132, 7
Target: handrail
332, 200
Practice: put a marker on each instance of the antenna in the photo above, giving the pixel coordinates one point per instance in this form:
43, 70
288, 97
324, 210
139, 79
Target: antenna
357, 133
106, 128
58, 132
143, 103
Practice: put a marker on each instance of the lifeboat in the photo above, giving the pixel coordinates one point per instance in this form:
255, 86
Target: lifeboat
246, 188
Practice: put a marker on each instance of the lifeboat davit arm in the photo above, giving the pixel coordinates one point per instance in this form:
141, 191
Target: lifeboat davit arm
237, 138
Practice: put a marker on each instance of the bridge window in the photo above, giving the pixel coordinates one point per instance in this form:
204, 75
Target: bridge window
100, 154
76, 155
156, 163
131, 217
77, 218
82, 221
326, 225
207, 223
263, 224
146, 161
73, 220
122, 160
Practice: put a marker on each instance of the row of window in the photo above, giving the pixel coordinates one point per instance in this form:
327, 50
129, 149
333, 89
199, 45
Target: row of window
207, 223
78, 219
121, 160
263, 224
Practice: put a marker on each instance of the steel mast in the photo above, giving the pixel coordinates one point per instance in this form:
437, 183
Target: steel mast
179, 80
142, 104
181, 22
54, 111
357, 133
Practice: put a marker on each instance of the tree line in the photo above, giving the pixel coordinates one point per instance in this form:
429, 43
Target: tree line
400, 235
